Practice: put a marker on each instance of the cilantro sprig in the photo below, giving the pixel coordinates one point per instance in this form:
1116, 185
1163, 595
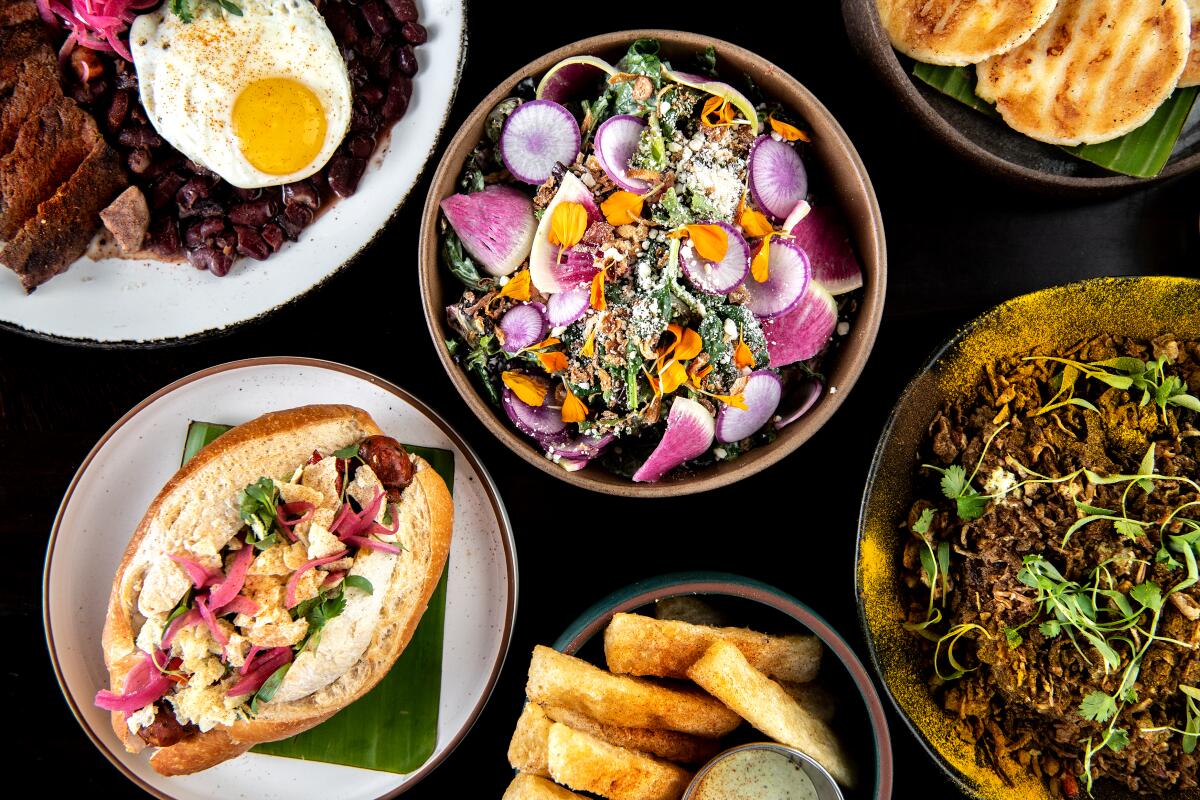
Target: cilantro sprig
1124, 373
257, 506
185, 10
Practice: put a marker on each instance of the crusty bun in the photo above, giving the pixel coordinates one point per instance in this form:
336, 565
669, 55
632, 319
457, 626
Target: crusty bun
197, 512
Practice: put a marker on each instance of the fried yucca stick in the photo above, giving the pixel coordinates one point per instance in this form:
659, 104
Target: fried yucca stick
583, 762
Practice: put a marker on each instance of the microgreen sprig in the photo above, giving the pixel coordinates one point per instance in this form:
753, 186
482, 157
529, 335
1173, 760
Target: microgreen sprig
1124, 373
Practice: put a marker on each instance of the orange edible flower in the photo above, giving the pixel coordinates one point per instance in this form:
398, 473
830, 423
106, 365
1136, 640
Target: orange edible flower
717, 112
517, 287
589, 345
760, 266
553, 361
573, 409
700, 375
736, 400
689, 345
672, 377
742, 356
754, 222
622, 208
568, 223
597, 298
543, 344
529, 390
711, 241
787, 132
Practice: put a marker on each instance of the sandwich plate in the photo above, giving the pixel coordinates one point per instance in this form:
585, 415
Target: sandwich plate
125, 302
124, 471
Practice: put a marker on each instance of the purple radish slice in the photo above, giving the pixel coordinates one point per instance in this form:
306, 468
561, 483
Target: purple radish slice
802, 210
788, 276
722, 90
806, 398
823, 236
573, 464
571, 76
777, 178
689, 433
718, 277
616, 141
802, 332
523, 325
536, 136
549, 273
541, 422
762, 393
588, 446
496, 226
567, 307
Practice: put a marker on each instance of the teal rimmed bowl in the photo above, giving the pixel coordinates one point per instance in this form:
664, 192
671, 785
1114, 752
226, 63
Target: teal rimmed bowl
860, 720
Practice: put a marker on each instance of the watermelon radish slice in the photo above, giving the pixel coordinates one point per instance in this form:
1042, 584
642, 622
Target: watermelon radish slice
567, 307
496, 226
616, 141
789, 274
802, 332
802, 210
762, 393
542, 423
722, 90
571, 76
549, 273
807, 397
523, 325
823, 236
718, 277
689, 433
581, 447
536, 136
777, 178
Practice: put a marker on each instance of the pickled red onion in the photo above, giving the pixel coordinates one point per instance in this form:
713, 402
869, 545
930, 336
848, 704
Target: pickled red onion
96, 24
373, 544
192, 617
143, 685
235, 579
290, 596
274, 658
201, 576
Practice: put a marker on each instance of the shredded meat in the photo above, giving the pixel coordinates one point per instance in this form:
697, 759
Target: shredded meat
1020, 704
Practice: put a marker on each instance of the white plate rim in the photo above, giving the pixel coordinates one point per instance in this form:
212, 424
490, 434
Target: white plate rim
507, 540
216, 330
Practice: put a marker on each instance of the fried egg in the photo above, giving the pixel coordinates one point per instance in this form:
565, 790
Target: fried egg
261, 99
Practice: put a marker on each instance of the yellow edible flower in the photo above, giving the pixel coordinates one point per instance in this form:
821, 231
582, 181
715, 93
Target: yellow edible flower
529, 390
573, 409
622, 208
787, 132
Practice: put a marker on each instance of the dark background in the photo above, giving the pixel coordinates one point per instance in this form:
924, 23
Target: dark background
958, 243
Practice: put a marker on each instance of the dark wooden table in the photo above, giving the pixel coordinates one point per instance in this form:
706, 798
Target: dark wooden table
958, 244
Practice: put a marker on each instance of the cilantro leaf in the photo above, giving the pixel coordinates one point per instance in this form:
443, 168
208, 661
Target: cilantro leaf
360, 583
346, 452
1050, 628
923, 522
1098, 707
954, 481
971, 506
1013, 637
1128, 527
1148, 594
1118, 739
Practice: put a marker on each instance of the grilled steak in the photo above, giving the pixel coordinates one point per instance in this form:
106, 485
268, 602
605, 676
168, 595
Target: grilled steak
35, 85
62, 228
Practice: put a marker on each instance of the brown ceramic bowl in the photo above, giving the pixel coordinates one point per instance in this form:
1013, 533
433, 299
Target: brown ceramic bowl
842, 177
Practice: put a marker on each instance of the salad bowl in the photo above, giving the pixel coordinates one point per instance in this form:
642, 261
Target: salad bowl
844, 183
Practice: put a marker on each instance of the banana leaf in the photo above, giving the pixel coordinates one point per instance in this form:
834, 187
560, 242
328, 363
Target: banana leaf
1142, 153
393, 728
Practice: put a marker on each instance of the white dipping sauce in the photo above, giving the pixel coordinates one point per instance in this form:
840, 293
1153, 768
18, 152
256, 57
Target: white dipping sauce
756, 775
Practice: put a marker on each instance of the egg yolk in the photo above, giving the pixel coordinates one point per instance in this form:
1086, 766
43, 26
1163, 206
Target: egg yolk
279, 124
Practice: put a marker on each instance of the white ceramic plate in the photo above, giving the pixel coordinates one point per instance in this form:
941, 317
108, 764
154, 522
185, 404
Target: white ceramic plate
120, 477
122, 301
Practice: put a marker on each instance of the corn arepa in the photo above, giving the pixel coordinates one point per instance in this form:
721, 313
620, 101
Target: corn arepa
960, 32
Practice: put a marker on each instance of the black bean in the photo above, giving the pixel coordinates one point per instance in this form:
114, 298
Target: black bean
272, 234
359, 72
163, 190
126, 77
250, 243
138, 114
371, 94
385, 61
399, 93
202, 208
406, 60
211, 259
118, 110
247, 194
138, 160
341, 23
301, 193
298, 214
360, 145
414, 32
290, 229
403, 10
195, 189
139, 136
344, 174
255, 212
197, 169
163, 237
377, 17
363, 118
